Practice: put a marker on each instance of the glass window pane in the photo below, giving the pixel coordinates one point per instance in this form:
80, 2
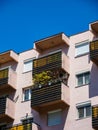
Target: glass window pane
88, 110
54, 118
87, 77
82, 48
28, 66
81, 112
27, 94
80, 80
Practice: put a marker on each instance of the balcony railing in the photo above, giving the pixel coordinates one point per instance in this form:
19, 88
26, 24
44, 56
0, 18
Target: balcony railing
46, 63
57, 92
95, 117
21, 127
7, 78
51, 72
7, 109
50, 62
28, 126
94, 51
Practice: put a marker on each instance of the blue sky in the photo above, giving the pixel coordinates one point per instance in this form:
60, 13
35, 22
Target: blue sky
24, 21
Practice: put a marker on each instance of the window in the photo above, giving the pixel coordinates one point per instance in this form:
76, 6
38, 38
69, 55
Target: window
28, 120
28, 66
84, 110
26, 94
54, 117
2, 127
82, 48
83, 79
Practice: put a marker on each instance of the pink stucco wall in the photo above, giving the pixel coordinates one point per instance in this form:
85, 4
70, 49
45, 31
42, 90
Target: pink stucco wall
10, 108
73, 95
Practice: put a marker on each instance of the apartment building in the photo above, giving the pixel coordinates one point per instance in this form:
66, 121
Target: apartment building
53, 86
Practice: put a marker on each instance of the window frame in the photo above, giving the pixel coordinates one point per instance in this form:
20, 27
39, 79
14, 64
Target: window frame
83, 78
84, 106
27, 120
24, 63
81, 44
24, 94
54, 112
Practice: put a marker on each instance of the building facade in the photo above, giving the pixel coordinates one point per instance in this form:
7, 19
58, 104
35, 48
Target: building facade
53, 86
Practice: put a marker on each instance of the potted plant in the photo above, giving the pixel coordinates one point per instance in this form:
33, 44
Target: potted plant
41, 79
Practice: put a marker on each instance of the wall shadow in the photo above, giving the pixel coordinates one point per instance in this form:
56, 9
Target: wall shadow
93, 87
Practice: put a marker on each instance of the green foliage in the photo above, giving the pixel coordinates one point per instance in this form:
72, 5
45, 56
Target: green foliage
42, 78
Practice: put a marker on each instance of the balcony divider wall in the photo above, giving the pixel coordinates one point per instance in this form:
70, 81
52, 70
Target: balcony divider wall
7, 109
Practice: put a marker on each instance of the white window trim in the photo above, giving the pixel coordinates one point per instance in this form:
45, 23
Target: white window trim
27, 117
82, 71
23, 97
83, 104
80, 105
79, 44
7, 67
82, 42
79, 73
28, 60
54, 111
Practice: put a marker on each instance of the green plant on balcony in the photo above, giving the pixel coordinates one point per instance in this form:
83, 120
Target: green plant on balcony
42, 78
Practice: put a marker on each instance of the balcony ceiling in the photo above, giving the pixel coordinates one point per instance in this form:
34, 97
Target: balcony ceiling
6, 119
52, 41
94, 26
7, 56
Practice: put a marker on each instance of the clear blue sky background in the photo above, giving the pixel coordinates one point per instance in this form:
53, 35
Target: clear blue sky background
24, 21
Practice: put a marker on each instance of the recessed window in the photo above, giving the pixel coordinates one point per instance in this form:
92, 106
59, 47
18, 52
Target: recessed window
54, 117
28, 120
84, 111
26, 94
28, 66
2, 127
83, 79
82, 48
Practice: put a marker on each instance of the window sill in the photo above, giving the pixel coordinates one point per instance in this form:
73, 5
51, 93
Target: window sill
81, 55
27, 71
82, 85
54, 124
26, 101
83, 118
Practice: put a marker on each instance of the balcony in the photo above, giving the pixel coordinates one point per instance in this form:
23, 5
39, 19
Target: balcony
94, 26
54, 94
50, 77
51, 42
51, 62
7, 110
8, 56
95, 117
7, 79
28, 126
94, 51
